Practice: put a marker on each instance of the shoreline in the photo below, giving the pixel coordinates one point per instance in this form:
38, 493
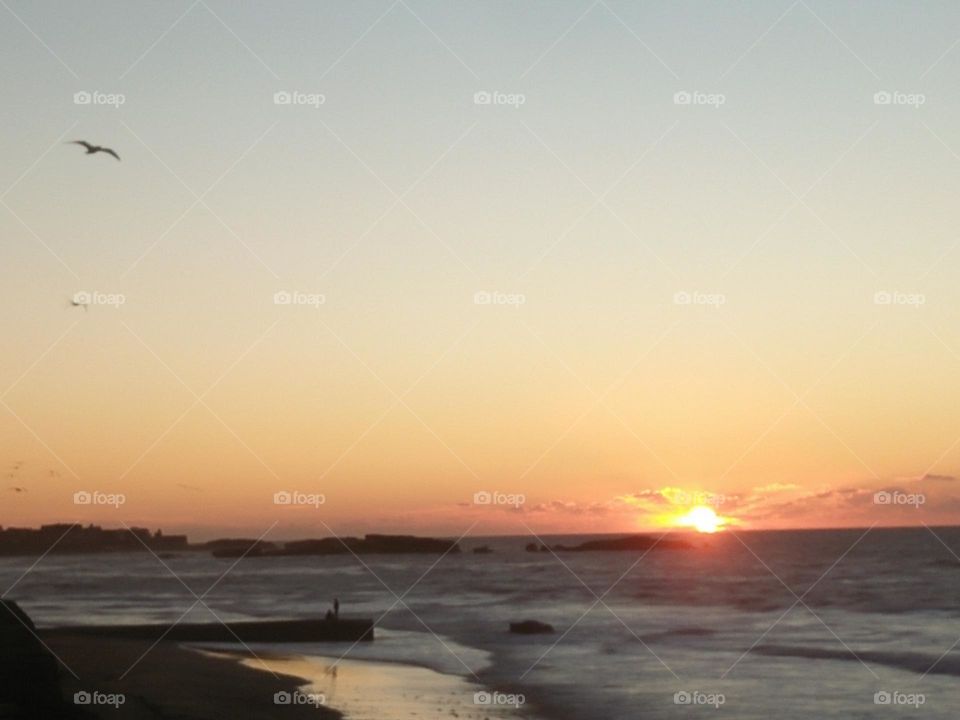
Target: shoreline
190, 681
170, 680
371, 689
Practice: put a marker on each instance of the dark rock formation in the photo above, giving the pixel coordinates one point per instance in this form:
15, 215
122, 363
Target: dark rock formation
29, 675
531, 627
368, 545
65, 538
631, 542
242, 547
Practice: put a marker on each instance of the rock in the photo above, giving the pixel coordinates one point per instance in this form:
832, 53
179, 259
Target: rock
370, 545
482, 550
631, 542
29, 675
531, 627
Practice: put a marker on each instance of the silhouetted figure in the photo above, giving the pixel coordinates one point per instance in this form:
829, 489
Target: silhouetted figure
336, 608
91, 149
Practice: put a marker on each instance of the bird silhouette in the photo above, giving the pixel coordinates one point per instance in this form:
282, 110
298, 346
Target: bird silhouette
83, 305
18, 489
91, 149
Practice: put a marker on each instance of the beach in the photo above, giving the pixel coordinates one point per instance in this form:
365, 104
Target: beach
172, 681
365, 690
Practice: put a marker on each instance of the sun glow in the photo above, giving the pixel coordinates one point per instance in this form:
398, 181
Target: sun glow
702, 519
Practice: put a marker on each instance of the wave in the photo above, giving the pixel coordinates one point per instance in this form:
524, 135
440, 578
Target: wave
920, 663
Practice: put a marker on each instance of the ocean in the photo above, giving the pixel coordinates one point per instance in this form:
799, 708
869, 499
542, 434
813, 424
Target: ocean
791, 624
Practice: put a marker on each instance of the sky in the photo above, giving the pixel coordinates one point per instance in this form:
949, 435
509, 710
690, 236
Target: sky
594, 262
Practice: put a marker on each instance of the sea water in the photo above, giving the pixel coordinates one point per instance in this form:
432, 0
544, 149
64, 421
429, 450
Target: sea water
798, 624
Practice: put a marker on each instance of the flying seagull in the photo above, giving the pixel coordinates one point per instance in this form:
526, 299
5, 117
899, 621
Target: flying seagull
91, 149
18, 489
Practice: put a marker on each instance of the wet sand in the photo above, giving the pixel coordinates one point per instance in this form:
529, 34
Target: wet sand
171, 682
373, 690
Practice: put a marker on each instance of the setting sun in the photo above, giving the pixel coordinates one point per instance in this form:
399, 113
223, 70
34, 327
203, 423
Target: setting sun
702, 519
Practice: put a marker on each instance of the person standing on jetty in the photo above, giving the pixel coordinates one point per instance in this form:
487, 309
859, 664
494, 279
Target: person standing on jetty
336, 608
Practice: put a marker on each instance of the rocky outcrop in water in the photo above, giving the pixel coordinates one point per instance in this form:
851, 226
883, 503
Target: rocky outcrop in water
368, 545
531, 627
631, 542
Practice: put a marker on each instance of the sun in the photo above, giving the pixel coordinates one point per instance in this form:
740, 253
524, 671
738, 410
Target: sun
702, 519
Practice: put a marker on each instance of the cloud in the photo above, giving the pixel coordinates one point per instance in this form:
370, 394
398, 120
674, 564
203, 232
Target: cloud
929, 498
938, 478
935, 498
905, 501
776, 488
